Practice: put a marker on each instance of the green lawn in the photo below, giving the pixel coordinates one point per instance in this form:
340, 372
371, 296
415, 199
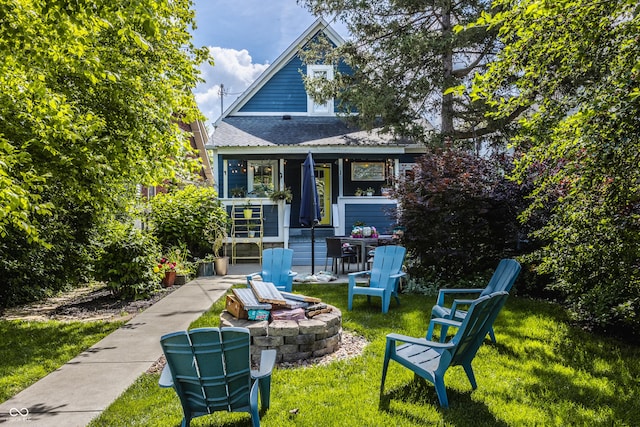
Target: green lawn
541, 372
30, 350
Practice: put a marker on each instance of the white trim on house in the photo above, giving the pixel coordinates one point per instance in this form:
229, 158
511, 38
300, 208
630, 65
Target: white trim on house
315, 71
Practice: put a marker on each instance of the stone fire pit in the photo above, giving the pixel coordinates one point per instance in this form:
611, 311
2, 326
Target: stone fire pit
292, 339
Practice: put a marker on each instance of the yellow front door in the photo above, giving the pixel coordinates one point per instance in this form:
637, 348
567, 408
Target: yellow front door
323, 182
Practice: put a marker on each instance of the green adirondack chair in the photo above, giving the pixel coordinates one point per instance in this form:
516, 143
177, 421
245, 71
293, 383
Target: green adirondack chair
502, 280
384, 276
209, 369
430, 360
276, 268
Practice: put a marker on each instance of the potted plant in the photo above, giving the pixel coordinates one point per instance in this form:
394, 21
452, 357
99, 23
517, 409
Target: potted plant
183, 273
167, 269
251, 228
205, 266
285, 195
175, 266
217, 235
358, 191
247, 209
238, 192
370, 191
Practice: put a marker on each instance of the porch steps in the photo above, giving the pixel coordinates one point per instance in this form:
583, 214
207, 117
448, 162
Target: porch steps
300, 242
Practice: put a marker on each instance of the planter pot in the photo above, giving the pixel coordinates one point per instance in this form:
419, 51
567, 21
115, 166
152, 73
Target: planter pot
251, 233
369, 193
181, 279
169, 279
222, 265
248, 213
205, 269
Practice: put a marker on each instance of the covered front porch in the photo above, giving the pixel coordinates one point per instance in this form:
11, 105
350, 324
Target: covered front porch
280, 229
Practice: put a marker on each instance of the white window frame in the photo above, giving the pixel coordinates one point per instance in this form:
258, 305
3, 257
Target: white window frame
327, 108
250, 168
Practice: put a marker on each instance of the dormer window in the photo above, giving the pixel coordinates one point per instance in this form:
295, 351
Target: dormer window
319, 72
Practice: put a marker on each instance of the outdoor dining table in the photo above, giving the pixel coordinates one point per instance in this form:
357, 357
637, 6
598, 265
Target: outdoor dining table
361, 243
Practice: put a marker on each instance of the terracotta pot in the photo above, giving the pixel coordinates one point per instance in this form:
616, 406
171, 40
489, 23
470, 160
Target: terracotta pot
169, 279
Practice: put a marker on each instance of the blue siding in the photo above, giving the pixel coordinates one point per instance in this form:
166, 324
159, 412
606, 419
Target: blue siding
284, 92
380, 216
270, 220
237, 173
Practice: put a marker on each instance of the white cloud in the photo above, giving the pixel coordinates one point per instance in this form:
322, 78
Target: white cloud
235, 70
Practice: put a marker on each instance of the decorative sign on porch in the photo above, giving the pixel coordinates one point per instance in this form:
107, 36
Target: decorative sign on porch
367, 171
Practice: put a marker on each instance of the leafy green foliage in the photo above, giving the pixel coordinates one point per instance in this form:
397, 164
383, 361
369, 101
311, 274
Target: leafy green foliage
192, 216
579, 144
410, 60
89, 94
460, 214
31, 271
126, 261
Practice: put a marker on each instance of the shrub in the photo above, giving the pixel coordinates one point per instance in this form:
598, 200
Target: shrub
31, 271
192, 216
126, 261
460, 214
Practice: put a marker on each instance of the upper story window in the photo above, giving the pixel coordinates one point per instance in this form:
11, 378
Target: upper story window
320, 72
261, 177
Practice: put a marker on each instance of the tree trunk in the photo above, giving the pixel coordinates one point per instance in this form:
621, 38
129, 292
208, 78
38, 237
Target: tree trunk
447, 71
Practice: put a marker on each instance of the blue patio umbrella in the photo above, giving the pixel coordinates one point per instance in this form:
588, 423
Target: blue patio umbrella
310, 204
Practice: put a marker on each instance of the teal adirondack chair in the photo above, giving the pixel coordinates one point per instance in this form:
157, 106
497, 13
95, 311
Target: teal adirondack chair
430, 360
210, 370
502, 280
384, 276
276, 268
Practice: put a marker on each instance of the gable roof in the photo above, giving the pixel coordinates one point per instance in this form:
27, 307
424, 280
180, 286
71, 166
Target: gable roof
319, 25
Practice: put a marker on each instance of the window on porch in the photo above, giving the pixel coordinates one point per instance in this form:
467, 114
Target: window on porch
262, 177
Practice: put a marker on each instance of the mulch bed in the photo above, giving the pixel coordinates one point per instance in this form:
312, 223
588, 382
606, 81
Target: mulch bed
85, 304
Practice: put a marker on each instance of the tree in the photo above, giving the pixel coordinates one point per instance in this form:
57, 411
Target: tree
409, 64
90, 91
574, 65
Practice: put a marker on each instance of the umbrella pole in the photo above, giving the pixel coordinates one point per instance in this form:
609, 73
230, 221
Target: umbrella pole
313, 249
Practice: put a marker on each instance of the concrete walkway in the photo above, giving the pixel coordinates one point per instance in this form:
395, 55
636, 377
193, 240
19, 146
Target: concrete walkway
81, 389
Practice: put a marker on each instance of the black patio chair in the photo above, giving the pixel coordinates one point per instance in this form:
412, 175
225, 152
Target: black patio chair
338, 253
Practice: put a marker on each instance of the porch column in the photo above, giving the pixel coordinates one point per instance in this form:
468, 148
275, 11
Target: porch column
340, 177
225, 179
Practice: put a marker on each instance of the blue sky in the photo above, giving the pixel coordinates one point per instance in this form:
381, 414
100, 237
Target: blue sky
244, 37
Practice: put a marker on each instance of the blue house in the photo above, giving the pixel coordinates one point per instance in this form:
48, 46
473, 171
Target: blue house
262, 139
